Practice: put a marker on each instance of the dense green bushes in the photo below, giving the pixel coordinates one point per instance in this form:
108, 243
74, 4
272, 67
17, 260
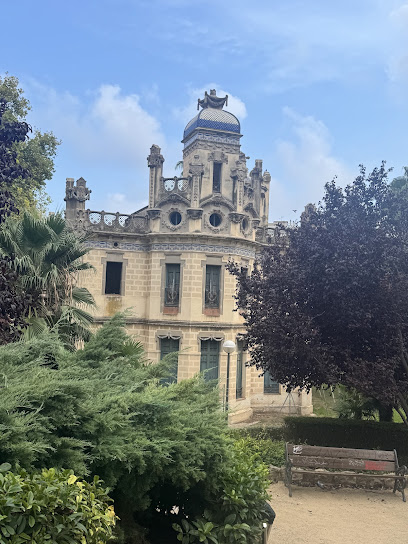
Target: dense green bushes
102, 411
51, 506
349, 433
235, 515
268, 442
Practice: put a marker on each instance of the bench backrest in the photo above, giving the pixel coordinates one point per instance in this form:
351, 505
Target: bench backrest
341, 458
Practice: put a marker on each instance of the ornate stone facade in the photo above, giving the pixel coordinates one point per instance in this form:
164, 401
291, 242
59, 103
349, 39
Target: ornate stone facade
167, 262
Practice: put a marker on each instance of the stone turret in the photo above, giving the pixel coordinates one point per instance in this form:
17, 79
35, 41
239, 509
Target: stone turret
76, 193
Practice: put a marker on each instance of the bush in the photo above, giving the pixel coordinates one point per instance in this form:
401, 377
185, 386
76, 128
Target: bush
238, 511
349, 433
52, 506
101, 410
262, 447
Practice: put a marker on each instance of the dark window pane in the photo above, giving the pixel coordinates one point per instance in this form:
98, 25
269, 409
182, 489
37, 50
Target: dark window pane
113, 278
270, 385
240, 362
217, 177
212, 286
169, 345
172, 289
210, 351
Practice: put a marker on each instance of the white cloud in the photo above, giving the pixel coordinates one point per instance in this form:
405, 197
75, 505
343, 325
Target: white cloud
109, 127
235, 104
305, 164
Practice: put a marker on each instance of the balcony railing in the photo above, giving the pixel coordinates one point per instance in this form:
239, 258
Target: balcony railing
171, 296
212, 297
112, 222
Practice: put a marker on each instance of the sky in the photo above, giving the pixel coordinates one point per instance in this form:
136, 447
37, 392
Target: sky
319, 87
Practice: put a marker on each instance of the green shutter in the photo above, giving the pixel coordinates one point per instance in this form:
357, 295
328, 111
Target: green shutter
210, 354
169, 345
270, 385
212, 286
239, 393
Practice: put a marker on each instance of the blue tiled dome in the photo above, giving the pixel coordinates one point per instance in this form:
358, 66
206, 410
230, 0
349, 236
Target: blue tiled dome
213, 119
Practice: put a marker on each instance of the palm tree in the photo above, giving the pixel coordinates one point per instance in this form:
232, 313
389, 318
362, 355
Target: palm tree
48, 258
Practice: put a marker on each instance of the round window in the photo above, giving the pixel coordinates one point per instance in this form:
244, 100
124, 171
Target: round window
175, 218
215, 219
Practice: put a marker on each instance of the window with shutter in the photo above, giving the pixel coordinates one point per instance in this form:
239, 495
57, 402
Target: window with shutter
239, 394
212, 286
172, 288
270, 385
210, 355
169, 345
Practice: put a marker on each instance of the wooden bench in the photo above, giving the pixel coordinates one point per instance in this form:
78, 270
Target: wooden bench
303, 459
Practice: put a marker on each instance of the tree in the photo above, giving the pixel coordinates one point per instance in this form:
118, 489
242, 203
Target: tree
36, 154
48, 258
101, 410
328, 304
13, 306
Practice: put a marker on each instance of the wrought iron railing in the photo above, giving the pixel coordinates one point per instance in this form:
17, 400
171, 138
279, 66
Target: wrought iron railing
212, 297
171, 296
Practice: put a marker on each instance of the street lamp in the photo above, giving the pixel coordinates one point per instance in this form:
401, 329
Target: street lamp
229, 347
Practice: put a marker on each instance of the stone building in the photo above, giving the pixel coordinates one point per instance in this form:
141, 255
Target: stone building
167, 261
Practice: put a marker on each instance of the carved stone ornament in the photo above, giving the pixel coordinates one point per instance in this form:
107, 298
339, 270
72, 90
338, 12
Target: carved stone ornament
195, 213
196, 169
153, 213
209, 146
218, 200
223, 225
155, 158
166, 219
236, 217
218, 156
255, 223
78, 192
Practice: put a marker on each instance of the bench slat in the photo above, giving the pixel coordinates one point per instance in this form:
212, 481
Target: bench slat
360, 475
339, 453
345, 464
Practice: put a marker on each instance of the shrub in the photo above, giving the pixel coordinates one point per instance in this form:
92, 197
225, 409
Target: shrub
263, 448
237, 512
52, 506
349, 433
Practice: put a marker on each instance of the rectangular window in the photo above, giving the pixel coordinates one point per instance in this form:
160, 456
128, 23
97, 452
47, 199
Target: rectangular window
210, 354
172, 289
217, 166
113, 278
169, 345
239, 394
270, 385
212, 286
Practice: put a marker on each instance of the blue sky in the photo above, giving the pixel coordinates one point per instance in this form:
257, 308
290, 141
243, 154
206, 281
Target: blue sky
319, 87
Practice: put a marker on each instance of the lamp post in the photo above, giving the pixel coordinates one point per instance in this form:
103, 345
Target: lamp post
229, 347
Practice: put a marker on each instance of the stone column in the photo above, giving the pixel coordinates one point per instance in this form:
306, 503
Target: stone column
155, 162
196, 170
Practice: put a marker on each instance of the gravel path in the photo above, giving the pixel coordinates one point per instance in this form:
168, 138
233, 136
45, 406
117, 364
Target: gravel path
342, 516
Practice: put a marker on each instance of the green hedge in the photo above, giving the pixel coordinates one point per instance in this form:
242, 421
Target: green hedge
348, 433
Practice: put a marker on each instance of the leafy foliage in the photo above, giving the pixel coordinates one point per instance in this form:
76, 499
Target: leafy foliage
53, 506
48, 258
237, 512
101, 410
12, 305
35, 155
330, 304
